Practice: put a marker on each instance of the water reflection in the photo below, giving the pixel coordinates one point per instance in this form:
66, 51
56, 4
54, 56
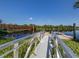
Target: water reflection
71, 34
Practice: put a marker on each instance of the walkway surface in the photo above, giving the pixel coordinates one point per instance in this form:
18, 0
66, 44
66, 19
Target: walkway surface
41, 49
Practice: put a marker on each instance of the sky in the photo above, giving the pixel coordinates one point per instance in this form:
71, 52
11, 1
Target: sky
40, 12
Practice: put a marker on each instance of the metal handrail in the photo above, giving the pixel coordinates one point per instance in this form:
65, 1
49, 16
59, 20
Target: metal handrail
59, 42
14, 42
3, 46
67, 50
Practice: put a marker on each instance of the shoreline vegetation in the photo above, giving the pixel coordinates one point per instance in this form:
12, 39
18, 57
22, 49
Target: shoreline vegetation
11, 28
74, 45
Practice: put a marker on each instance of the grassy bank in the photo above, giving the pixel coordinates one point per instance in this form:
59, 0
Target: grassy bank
73, 45
2, 41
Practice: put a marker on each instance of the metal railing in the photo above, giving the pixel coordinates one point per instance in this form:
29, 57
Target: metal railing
66, 50
16, 45
62, 50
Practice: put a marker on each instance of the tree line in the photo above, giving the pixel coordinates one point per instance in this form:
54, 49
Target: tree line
54, 27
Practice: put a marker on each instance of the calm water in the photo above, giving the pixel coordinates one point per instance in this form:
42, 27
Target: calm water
71, 34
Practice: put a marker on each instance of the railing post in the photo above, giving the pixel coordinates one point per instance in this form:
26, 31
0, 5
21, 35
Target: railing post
74, 31
57, 53
35, 44
49, 47
15, 50
28, 50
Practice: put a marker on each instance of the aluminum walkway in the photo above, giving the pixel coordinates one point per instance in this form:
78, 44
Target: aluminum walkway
41, 49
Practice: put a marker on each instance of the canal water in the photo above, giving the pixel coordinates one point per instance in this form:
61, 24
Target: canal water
71, 34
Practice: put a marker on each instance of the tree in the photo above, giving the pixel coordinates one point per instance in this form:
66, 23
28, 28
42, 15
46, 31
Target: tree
76, 5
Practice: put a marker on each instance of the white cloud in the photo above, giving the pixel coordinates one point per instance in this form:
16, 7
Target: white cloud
30, 18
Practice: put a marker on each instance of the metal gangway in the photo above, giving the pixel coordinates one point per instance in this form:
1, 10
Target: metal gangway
38, 46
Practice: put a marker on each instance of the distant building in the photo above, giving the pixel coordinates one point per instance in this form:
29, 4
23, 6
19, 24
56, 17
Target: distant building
12, 27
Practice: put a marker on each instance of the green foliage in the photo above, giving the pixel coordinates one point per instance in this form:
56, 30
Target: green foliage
2, 33
61, 50
53, 50
76, 5
2, 41
5, 50
73, 45
54, 28
22, 49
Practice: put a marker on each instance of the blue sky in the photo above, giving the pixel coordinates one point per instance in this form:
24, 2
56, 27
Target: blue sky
40, 12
